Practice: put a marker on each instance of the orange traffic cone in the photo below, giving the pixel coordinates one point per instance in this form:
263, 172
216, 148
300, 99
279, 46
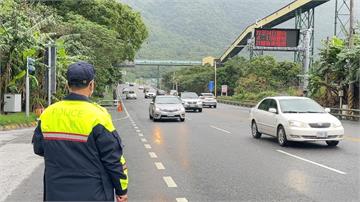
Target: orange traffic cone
119, 107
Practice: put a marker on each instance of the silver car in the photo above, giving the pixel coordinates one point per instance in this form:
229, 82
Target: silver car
191, 101
208, 100
131, 95
165, 107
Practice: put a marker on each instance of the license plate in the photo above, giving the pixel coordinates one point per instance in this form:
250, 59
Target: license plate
322, 134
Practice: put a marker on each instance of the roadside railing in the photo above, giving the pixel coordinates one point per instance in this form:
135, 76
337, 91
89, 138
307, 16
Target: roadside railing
346, 114
237, 103
342, 114
108, 103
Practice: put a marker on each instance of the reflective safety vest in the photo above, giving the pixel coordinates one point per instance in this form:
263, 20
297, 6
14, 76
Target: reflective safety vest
82, 151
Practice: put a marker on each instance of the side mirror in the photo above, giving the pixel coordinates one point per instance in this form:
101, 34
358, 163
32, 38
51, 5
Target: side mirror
273, 110
327, 110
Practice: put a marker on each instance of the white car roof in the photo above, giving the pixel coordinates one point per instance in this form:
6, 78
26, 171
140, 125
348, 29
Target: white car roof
286, 97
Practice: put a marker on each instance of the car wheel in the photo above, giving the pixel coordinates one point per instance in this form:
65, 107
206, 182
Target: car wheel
332, 143
200, 110
215, 106
182, 119
150, 117
254, 131
281, 137
154, 119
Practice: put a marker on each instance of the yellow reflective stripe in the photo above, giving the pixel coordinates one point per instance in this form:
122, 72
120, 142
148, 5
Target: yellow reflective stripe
124, 182
122, 160
75, 117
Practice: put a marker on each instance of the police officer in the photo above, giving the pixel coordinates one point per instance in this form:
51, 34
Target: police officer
82, 151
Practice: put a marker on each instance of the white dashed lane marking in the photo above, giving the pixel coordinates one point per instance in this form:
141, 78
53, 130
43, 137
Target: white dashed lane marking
141, 135
220, 129
181, 200
147, 146
138, 131
143, 140
169, 181
159, 166
152, 155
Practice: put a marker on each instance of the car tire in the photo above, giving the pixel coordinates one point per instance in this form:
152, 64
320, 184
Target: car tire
215, 106
281, 137
182, 119
150, 117
155, 120
254, 131
200, 110
332, 143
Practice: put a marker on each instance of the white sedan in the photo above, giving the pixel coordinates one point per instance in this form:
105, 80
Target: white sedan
290, 118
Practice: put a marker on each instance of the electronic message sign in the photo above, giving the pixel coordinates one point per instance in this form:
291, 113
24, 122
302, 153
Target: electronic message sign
277, 37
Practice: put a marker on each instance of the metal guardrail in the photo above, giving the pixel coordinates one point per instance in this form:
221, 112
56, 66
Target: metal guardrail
108, 103
346, 114
237, 103
342, 114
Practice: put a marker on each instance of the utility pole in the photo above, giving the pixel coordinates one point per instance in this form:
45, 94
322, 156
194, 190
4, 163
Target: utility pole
215, 93
307, 42
49, 75
158, 77
27, 83
351, 98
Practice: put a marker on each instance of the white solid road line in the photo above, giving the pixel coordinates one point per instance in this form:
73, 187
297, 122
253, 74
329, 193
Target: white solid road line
141, 135
312, 162
152, 155
143, 140
225, 131
181, 200
159, 166
169, 181
147, 146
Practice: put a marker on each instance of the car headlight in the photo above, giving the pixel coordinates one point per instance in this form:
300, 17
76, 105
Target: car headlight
157, 109
297, 124
337, 124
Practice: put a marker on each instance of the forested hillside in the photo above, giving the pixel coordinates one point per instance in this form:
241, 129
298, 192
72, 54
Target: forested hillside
192, 29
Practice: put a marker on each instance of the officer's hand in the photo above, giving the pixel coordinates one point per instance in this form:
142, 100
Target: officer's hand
123, 198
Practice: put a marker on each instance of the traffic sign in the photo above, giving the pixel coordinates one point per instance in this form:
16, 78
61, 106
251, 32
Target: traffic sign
224, 89
211, 86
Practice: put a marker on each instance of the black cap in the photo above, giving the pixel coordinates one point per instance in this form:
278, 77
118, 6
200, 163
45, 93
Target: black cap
80, 74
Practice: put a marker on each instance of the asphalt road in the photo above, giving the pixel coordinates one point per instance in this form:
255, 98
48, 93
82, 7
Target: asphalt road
209, 157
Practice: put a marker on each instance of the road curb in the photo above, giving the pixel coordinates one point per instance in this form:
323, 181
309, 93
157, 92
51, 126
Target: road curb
17, 126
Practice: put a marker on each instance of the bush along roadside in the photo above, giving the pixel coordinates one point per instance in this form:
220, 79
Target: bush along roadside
16, 121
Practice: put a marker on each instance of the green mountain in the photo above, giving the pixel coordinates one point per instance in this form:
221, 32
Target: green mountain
193, 29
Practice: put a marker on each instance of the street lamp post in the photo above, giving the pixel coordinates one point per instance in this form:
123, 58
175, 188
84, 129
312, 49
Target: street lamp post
215, 92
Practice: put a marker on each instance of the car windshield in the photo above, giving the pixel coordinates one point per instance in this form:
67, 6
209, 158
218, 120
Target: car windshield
207, 94
189, 95
167, 100
300, 106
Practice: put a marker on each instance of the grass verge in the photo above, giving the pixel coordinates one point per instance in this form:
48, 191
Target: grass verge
16, 118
